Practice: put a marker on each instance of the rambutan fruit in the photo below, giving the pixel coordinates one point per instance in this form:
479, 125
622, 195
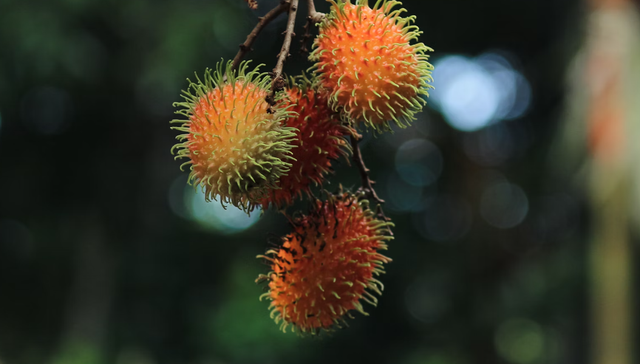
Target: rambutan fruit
319, 140
236, 145
365, 59
325, 268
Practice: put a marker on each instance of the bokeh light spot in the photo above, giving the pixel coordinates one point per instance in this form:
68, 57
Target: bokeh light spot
402, 196
176, 197
522, 100
422, 127
504, 205
470, 100
520, 341
419, 162
472, 93
213, 216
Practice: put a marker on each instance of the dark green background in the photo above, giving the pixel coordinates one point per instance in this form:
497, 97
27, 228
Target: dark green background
95, 266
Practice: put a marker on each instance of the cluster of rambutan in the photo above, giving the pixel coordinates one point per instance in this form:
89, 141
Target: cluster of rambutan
247, 152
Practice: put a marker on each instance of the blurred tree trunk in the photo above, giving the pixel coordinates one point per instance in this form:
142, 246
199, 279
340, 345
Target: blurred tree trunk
610, 30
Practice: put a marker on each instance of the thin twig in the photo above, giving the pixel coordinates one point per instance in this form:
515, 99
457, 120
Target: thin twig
367, 183
253, 4
313, 18
278, 81
263, 22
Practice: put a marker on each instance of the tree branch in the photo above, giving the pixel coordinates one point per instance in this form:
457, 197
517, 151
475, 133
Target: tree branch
313, 18
278, 81
367, 183
263, 22
253, 4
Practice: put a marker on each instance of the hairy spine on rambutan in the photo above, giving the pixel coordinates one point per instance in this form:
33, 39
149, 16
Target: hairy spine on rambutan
325, 268
235, 141
365, 59
319, 140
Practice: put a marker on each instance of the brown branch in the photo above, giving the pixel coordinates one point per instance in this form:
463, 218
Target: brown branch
278, 81
263, 22
313, 18
367, 183
253, 4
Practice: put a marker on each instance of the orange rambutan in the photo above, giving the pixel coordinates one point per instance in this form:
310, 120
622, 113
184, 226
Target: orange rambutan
365, 59
237, 147
325, 268
320, 139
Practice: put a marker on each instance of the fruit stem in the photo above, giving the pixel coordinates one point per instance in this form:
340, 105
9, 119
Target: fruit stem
314, 16
278, 82
253, 4
263, 22
367, 183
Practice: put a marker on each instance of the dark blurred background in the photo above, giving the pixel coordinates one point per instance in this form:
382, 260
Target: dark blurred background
514, 194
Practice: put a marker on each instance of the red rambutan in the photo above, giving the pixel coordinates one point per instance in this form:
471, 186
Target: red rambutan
320, 139
365, 59
325, 266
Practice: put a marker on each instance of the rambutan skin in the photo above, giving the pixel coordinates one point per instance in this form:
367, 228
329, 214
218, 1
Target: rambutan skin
365, 59
325, 268
319, 140
236, 147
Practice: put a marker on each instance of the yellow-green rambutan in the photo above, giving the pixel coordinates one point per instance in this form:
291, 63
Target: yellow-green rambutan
325, 268
319, 140
235, 141
365, 59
